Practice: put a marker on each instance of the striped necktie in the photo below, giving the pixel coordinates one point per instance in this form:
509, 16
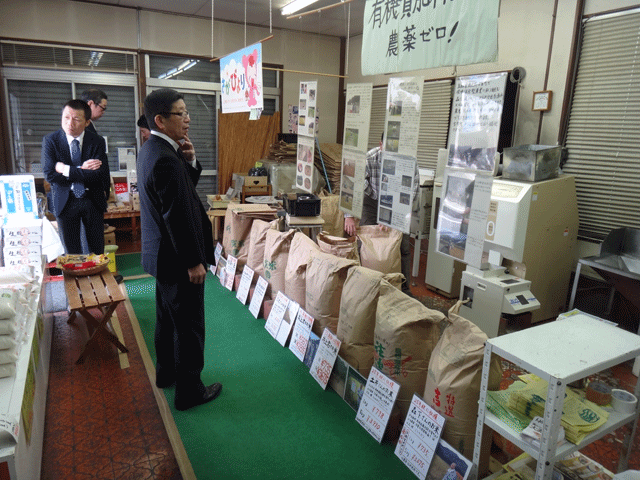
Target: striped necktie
76, 159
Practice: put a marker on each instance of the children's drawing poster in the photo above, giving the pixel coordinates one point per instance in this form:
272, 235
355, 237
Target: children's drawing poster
241, 80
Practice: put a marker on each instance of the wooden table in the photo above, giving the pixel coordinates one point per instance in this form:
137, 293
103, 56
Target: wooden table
132, 214
101, 292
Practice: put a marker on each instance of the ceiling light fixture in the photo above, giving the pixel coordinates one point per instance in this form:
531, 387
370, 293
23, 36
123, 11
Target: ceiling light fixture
295, 6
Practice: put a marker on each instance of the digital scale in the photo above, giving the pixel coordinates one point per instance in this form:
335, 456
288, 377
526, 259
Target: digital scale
491, 293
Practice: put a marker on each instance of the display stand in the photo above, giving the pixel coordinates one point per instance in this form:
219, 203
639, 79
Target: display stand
560, 352
24, 455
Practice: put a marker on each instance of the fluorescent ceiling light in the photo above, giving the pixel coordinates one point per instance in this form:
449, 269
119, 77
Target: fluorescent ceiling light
296, 5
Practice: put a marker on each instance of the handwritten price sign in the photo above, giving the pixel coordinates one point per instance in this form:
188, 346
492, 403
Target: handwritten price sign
380, 394
419, 437
300, 335
325, 358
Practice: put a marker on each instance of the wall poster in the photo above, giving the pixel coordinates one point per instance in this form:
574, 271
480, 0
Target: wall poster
354, 147
241, 80
476, 113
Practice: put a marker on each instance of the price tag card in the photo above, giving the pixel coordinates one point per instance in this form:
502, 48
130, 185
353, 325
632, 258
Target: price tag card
222, 265
245, 284
258, 296
419, 437
218, 252
276, 314
232, 264
300, 335
287, 323
222, 273
378, 399
325, 357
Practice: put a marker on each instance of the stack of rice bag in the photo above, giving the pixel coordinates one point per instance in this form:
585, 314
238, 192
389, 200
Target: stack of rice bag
16, 288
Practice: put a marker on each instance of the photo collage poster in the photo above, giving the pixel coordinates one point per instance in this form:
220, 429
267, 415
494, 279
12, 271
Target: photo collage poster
355, 146
468, 177
306, 135
399, 157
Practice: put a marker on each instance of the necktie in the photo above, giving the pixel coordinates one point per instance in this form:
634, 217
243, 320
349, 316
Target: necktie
76, 159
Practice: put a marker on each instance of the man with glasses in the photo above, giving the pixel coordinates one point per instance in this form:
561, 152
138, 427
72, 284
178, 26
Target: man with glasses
177, 244
97, 101
75, 164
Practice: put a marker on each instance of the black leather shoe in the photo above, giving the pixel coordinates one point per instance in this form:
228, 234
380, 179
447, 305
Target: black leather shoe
210, 393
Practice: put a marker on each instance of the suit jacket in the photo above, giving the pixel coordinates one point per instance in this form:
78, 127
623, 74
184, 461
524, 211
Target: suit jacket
91, 128
176, 230
55, 148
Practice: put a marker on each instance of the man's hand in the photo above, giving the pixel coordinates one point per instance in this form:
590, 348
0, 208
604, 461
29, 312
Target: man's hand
92, 164
350, 226
197, 274
60, 167
187, 149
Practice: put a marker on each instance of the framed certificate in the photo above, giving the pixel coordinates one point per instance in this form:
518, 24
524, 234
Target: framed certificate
542, 101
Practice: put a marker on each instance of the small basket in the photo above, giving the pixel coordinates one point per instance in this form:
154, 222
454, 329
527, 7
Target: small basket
99, 267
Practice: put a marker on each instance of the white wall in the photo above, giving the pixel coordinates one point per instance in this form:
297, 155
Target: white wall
63, 21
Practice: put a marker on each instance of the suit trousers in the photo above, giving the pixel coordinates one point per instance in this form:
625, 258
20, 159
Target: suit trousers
77, 212
179, 334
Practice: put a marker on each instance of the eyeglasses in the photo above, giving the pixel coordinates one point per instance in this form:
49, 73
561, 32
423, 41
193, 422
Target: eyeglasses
184, 114
104, 109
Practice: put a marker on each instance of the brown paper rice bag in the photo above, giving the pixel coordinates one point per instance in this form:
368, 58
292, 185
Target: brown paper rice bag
405, 335
236, 236
339, 246
295, 273
453, 381
276, 255
331, 213
325, 278
258, 236
380, 249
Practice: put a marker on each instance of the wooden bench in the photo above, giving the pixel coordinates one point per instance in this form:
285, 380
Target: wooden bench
101, 292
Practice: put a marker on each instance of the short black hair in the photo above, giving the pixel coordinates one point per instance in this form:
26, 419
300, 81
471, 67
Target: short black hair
94, 94
159, 102
142, 122
81, 105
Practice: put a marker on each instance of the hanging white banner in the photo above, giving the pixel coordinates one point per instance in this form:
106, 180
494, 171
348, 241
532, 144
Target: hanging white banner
410, 35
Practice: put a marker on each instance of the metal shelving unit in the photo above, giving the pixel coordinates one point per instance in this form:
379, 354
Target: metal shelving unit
571, 348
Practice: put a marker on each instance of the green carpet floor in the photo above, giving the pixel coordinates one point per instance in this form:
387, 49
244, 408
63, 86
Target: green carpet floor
272, 420
129, 264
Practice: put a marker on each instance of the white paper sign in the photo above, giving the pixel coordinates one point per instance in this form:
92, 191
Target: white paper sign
245, 284
218, 252
325, 357
258, 296
396, 192
276, 314
300, 335
307, 109
419, 437
232, 263
380, 394
287, 323
304, 163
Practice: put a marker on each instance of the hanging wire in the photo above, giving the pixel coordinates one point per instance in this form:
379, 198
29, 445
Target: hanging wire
346, 60
212, 2
270, 18
245, 23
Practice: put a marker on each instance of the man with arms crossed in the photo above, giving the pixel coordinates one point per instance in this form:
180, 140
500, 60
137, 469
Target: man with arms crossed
75, 164
177, 244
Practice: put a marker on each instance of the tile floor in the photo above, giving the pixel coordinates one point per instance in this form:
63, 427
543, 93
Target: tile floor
103, 422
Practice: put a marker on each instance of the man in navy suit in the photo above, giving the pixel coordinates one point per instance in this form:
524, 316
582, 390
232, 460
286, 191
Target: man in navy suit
177, 244
75, 164
97, 101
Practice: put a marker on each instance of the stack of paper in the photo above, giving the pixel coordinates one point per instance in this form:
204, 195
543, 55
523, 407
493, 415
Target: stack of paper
579, 417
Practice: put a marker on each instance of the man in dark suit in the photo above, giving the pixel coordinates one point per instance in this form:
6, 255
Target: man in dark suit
97, 101
75, 164
177, 244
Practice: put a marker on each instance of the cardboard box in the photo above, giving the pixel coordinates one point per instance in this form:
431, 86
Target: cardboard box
254, 181
35, 260
18, 194
22, 231
110, 238
28, 251
135, 201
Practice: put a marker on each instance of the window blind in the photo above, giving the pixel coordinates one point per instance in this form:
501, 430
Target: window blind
434, 120
603, 133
